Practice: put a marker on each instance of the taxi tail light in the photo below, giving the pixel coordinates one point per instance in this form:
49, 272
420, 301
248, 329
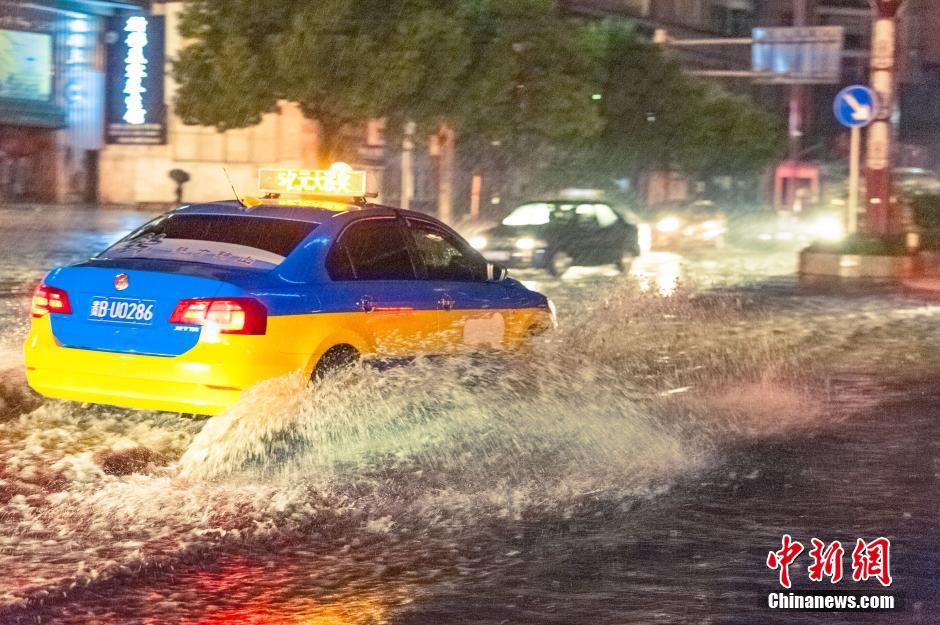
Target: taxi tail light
48, 299
234, 315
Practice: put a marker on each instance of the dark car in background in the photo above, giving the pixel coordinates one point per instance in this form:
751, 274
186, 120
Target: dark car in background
556, 234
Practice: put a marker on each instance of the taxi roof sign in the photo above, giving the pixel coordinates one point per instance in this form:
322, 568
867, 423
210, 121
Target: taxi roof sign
340, 180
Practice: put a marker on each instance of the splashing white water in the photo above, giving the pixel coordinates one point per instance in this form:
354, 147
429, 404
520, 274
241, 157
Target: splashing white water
636, 390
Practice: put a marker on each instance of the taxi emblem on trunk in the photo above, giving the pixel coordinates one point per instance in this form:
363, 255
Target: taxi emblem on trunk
121, 282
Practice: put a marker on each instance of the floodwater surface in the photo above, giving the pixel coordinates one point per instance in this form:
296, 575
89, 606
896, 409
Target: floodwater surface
635, 466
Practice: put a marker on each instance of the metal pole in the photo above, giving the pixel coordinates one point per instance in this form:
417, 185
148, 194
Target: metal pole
855, 163
881, 216
445, 187
475, 189
795, 118
407, 166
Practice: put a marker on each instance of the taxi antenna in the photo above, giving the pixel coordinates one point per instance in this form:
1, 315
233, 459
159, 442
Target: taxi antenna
232, 184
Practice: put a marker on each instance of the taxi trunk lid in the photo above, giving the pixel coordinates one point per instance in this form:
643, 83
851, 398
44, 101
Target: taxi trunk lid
134, 319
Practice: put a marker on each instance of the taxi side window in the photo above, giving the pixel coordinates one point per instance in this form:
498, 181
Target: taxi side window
444, 257
375, 249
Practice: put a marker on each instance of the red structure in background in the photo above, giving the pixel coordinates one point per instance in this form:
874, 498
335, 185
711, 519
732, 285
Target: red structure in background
795, 185
883, 215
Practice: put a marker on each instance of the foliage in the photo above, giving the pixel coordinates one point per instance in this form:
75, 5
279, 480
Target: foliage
656, 117
516, 80
498, 72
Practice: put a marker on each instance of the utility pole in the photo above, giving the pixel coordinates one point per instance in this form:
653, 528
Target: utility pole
795, 118
882, 216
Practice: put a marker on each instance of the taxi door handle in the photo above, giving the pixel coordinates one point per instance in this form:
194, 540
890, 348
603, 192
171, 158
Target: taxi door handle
446, 302
366, 304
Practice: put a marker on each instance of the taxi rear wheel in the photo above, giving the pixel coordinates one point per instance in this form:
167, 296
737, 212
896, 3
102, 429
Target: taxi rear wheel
335, 359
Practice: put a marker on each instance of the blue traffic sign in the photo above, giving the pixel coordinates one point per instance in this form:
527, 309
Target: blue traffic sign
856, 106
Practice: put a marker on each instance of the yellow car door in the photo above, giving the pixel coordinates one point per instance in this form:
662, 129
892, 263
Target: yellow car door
474, 311
395, 311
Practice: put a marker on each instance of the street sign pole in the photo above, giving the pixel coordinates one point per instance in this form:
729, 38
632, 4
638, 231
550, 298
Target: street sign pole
855, 107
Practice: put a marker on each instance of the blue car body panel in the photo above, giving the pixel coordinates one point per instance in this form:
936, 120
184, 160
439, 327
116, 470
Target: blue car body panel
300, 285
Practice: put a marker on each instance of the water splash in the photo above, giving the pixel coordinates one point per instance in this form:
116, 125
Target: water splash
635, 390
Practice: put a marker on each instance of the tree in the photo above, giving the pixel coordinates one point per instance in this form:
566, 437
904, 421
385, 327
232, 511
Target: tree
656, 117
513, 73
222, 73
517, 81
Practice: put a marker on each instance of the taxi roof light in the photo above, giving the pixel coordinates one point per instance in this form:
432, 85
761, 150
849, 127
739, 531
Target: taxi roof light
339, 181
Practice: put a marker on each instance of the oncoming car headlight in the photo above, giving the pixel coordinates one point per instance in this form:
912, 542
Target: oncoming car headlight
668, 224
478, 243
713, 229
829, 229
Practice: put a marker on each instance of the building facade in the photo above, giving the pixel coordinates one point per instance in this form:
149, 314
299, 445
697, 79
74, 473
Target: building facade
135, 171
52, 97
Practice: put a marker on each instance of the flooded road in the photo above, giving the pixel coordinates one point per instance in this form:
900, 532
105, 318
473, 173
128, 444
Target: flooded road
635, 467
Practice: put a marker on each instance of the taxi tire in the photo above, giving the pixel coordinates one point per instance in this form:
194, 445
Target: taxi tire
335, 359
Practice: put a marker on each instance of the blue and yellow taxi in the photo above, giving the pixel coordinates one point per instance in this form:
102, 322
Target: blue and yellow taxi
194, 307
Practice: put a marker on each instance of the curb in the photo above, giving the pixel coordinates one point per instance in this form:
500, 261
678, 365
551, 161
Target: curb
824, 266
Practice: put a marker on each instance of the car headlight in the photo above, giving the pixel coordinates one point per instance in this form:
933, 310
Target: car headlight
528, 243
713, 229
668, 224
478, 243
829, 229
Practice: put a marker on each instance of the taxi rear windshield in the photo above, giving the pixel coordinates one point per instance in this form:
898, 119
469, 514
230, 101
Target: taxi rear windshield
229, 240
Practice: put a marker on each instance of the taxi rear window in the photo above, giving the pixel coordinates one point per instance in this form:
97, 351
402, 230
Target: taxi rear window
230, 240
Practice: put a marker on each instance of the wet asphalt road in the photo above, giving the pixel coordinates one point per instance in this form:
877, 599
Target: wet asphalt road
636, 469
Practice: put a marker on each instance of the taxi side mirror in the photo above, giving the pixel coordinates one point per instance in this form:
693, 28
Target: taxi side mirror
496, 273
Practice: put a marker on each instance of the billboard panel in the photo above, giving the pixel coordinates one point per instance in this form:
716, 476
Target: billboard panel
25, 65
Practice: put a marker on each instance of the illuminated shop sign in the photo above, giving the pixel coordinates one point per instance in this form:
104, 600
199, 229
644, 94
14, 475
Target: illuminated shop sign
136, 111
135, 70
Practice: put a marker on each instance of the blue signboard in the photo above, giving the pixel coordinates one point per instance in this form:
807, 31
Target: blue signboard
136, 111
856, 106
